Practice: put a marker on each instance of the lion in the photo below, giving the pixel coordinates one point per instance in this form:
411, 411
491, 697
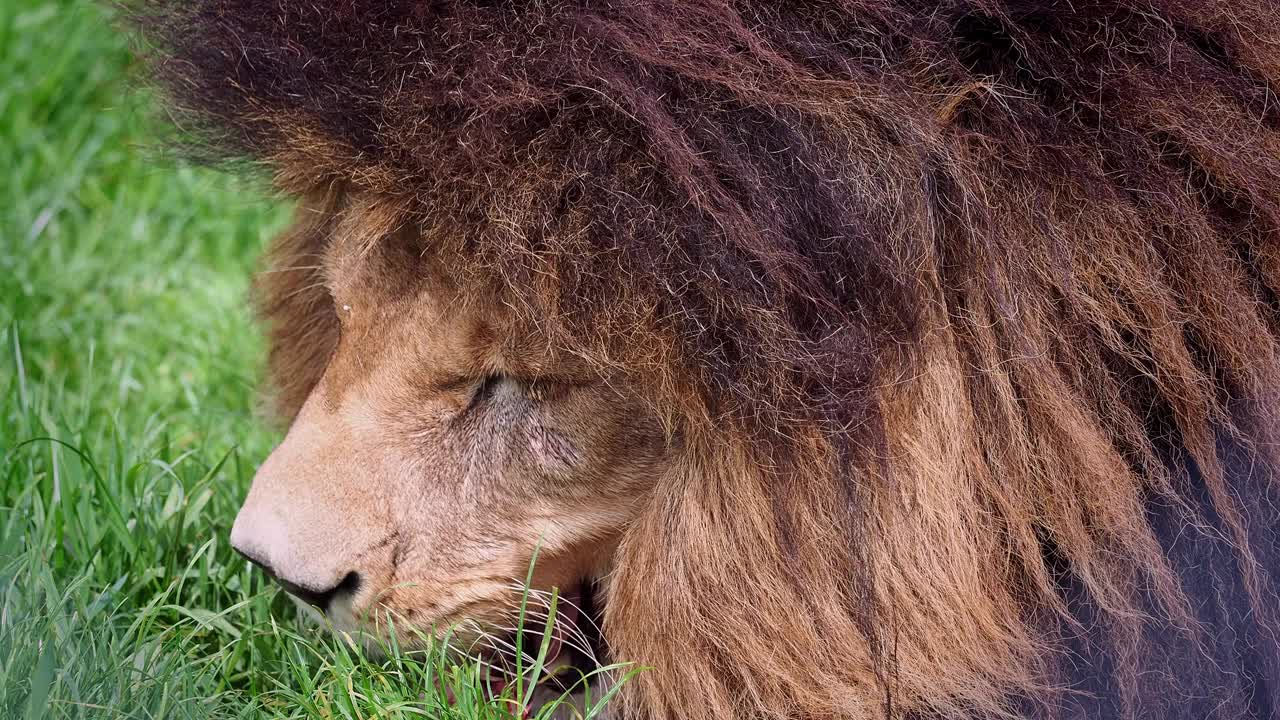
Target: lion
836, 359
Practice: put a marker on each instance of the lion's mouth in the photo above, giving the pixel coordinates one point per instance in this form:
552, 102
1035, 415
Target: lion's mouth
559, 652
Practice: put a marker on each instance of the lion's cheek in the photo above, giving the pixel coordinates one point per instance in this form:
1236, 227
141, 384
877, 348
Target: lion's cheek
552, 452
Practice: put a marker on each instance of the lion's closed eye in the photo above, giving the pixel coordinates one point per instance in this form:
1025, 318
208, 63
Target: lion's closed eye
496, 386
468, 393
486, 388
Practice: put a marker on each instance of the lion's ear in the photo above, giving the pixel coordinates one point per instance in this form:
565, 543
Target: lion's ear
295, 306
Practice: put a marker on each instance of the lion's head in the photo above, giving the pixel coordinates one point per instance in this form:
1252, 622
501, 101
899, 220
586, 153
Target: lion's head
843, 358
436, 443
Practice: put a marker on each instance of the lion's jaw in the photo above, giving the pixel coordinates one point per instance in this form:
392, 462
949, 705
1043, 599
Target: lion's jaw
441, 448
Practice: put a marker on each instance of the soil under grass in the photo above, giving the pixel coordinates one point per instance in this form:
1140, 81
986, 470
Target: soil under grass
128, 431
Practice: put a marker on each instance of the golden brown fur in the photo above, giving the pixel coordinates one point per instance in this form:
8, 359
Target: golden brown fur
956, 323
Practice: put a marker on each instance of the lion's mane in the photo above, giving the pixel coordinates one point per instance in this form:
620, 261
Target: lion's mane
966, 312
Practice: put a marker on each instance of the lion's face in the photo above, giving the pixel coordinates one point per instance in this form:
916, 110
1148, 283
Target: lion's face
440, 447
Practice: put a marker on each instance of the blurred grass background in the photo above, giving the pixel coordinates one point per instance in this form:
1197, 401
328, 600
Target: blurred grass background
128, 364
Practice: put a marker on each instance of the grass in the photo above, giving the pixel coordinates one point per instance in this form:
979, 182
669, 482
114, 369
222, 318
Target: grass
128, 365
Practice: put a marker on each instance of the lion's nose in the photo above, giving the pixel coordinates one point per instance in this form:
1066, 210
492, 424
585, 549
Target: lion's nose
292, 560
319, 597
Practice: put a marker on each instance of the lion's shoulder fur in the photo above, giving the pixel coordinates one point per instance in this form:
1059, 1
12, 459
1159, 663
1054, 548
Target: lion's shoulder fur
968, 309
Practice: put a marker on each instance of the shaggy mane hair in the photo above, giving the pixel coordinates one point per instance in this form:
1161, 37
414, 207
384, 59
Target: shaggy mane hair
967, 312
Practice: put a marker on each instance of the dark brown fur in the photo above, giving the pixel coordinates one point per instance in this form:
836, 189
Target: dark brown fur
944, 297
